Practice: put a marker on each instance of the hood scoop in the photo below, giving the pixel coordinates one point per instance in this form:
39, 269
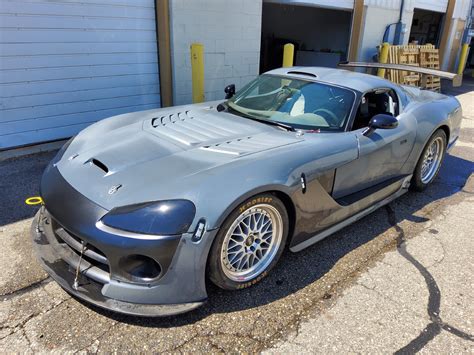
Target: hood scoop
98, 164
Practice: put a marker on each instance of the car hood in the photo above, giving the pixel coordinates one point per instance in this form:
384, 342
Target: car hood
152, 155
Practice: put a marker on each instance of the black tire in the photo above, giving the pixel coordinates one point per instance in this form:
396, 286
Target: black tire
417, 183
217, 257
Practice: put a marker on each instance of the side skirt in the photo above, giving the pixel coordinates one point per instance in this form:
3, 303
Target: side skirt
327, 232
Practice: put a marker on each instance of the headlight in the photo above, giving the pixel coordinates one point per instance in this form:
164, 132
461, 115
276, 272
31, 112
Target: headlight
159, 218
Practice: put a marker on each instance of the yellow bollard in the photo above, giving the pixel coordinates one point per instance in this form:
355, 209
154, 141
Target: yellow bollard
383, 57
197, 69
462, 58
288, 53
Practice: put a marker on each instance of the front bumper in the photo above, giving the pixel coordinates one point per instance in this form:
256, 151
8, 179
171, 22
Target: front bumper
68, 219
53, 256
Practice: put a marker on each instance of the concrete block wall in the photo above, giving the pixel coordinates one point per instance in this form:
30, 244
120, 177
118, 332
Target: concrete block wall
377, 15
230, 31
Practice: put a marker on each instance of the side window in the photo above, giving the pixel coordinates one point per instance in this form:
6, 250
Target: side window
381, 101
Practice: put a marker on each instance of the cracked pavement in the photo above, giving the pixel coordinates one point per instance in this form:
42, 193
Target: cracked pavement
400, 279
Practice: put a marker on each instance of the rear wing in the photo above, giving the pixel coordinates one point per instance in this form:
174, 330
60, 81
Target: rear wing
455, 78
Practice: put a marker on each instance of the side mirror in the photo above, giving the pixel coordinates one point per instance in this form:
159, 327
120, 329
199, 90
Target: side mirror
229, 91
381, 121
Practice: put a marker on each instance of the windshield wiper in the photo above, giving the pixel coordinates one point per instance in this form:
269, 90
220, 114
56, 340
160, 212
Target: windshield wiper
262, 120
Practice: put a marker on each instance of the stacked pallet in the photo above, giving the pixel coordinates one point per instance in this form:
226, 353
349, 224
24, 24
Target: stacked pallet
426, 56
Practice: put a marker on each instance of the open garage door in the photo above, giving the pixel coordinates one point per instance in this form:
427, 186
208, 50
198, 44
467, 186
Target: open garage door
426, 27
320, 33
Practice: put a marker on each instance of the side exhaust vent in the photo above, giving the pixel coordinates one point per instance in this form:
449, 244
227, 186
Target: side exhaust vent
99, 164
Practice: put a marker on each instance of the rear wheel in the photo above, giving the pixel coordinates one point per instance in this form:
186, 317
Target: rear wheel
249, 243
430, 161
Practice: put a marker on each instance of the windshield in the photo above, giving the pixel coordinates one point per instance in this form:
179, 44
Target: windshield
298, 103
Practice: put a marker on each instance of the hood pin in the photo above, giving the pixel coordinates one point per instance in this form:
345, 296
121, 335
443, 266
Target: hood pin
75, 285
114, 189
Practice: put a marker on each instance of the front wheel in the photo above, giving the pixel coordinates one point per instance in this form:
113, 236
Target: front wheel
430, 161
249, 243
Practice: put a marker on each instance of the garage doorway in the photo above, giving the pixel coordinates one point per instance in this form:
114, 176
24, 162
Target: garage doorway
426, 27
320, 35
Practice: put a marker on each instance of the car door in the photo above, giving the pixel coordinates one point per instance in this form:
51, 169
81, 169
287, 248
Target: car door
382, 155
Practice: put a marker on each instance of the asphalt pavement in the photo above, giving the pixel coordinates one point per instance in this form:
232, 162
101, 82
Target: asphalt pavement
400, 279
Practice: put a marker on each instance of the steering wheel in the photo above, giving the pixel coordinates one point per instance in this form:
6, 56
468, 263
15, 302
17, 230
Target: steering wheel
329, 116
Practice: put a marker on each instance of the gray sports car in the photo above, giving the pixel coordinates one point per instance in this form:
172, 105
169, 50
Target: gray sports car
142, 208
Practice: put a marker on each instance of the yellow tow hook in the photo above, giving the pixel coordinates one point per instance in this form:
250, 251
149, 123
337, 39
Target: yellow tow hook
35, 200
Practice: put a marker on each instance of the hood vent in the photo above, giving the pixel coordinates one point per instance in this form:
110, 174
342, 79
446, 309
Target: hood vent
191, 130
171, 118
246, 145
98, 164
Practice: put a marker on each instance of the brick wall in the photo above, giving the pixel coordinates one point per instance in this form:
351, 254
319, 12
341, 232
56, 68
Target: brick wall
230, 31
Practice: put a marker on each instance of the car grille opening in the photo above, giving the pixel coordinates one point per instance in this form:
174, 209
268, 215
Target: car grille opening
73, 243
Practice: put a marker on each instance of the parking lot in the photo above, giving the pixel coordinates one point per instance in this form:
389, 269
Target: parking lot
399, 279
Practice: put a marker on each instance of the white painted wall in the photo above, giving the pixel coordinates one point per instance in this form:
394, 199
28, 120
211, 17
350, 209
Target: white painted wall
377, 15
462, 9
230, 31
66, 64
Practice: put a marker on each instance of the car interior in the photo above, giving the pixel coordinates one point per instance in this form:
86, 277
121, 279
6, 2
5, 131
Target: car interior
382, 101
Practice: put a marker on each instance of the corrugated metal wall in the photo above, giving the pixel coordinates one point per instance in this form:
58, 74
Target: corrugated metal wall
66, 64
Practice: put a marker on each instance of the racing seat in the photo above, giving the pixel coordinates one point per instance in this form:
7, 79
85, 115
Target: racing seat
363, 115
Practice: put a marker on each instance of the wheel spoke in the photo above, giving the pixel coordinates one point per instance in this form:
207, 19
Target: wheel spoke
234, 248
236, 259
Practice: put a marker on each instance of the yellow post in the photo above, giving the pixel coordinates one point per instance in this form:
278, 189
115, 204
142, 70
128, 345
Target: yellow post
462, 58
383, 57
197, 69
288, 53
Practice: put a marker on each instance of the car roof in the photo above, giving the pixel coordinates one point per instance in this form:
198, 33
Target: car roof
354, 80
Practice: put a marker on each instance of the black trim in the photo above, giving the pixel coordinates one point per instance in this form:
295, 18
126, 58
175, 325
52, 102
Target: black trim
359, 195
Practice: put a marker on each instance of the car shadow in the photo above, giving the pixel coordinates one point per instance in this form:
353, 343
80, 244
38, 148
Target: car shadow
19, 179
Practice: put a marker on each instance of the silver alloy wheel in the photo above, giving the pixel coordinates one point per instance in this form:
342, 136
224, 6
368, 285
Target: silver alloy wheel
251, 242
432, 160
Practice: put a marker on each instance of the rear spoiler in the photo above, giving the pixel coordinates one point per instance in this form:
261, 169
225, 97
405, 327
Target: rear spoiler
455, 78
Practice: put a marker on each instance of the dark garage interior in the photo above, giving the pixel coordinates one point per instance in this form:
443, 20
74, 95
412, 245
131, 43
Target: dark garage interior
426, 27
321, 36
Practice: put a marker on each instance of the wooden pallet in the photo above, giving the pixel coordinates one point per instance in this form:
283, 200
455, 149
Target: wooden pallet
426, 56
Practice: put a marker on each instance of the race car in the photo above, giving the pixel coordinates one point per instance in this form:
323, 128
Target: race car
141, 210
